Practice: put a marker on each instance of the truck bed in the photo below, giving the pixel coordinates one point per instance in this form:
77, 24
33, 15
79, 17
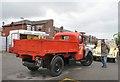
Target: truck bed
43, 47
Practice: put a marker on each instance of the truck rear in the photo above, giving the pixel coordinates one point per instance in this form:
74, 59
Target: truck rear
66, 48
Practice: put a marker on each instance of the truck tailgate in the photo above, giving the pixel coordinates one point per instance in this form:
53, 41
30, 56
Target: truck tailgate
27, 46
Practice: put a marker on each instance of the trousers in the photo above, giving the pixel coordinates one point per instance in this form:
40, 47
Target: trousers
104, 60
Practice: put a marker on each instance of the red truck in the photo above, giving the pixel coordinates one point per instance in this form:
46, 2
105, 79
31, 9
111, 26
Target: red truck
65, 48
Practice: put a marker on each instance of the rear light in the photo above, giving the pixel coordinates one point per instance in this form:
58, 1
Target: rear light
17, 55
38, 61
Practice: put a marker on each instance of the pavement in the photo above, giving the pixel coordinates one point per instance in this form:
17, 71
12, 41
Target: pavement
12, 69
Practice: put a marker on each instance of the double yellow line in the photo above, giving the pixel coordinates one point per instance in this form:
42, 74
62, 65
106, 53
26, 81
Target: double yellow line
68, 80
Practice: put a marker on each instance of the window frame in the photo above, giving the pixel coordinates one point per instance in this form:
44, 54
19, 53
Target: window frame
49, 29
65, 37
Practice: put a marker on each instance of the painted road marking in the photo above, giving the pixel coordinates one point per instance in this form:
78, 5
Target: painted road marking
68, 79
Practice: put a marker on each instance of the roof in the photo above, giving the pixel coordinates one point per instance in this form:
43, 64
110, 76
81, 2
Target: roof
56, 28
29, 22
28, 32
64, 30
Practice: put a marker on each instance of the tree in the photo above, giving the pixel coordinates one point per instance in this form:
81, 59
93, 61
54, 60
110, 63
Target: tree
117, 38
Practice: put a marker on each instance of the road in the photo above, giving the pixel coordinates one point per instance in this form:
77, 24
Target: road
12, 69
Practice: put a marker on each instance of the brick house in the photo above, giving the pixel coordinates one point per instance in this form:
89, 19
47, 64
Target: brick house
61, 29
90, 39
42, 25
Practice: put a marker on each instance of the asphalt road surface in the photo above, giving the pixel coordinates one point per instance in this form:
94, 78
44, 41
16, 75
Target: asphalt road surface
12, 69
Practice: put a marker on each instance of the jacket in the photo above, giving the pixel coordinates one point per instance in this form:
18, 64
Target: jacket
104, 49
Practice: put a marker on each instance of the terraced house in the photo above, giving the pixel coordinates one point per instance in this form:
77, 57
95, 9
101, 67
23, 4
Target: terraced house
42, 25
46, 26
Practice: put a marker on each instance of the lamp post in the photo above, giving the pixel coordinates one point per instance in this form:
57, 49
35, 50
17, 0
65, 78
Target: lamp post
22, 22
6, 43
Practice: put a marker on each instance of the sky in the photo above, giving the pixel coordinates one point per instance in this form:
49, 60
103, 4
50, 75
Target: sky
95, 17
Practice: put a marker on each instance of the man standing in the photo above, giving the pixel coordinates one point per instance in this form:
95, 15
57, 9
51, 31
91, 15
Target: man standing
104, 52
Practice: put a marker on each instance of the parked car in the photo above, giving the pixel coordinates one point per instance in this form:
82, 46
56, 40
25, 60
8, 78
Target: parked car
90, 46
113, 53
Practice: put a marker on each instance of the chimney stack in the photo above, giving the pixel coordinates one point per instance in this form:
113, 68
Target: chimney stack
61, 29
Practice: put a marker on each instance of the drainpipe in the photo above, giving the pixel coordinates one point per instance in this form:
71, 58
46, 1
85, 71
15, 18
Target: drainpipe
6, 43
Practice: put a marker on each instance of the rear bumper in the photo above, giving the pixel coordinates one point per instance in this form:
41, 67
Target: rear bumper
37, 63
28, 64
99, 55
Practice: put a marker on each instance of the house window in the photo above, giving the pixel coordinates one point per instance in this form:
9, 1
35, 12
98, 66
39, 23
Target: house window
39, 27
56, 31
33, 28
49, 29
29, 27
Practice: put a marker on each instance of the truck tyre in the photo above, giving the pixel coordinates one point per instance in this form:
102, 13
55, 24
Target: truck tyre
56, 67
33, 68
87, 60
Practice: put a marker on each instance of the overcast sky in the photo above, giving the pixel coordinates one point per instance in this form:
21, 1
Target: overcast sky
96, 17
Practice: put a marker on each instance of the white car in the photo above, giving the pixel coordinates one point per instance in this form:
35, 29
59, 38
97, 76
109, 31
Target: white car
113, 53
90, 47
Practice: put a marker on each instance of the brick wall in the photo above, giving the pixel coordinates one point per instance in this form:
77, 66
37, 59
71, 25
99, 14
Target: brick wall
49, 29
45, 28
7, 29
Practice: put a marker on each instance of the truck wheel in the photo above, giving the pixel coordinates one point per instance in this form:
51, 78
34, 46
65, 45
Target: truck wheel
56, 66
88, 60
33, 68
